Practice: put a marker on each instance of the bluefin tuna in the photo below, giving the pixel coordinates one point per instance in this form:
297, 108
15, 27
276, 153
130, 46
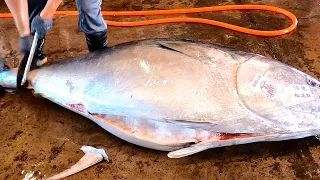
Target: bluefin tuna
182, 96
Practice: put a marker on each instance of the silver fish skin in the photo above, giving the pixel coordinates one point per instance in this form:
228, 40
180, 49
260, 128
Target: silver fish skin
183, 95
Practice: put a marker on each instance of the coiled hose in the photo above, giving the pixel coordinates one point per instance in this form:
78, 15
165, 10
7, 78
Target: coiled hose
192, 20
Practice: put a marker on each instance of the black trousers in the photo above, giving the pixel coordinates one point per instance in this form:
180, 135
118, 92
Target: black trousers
90, 21
90, 18
35, 7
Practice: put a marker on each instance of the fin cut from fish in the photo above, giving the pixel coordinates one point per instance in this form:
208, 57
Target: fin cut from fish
92, 156
29, 176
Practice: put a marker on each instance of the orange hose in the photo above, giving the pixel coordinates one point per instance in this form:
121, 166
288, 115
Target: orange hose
194, 20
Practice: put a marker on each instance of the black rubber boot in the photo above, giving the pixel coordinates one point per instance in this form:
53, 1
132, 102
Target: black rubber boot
97, 41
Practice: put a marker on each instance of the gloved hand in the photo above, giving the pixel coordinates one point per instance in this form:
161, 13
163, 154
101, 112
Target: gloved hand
41, 26
25, 46
26, 43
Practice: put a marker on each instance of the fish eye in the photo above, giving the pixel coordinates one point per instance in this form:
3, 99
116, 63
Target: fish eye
313, 82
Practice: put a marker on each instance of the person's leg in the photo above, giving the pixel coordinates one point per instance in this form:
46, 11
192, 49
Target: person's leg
92, 23
35, 7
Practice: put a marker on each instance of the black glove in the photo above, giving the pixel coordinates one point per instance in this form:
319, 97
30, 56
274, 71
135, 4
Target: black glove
41, 26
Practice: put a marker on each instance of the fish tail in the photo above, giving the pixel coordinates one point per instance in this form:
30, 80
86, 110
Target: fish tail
3, 67
7, 78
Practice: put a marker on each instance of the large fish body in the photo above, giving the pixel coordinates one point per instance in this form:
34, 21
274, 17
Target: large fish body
182, 96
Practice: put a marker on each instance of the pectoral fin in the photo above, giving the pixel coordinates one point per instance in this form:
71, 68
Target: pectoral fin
225, 140
188, 151
182, 47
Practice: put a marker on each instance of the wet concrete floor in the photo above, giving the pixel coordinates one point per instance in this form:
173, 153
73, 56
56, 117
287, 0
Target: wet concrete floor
40, 136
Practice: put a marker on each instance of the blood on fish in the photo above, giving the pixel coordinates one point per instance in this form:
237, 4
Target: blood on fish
227, 136
78, 107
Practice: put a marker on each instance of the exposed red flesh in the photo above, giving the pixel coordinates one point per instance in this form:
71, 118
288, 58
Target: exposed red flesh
226, 136
78, 107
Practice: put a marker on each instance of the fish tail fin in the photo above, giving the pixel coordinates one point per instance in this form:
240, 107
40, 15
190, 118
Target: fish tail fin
8, 78
3, 67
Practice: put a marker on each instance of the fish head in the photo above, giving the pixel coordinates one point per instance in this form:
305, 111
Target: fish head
281, 96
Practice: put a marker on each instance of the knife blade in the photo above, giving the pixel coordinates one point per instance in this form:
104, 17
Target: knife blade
25, 64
